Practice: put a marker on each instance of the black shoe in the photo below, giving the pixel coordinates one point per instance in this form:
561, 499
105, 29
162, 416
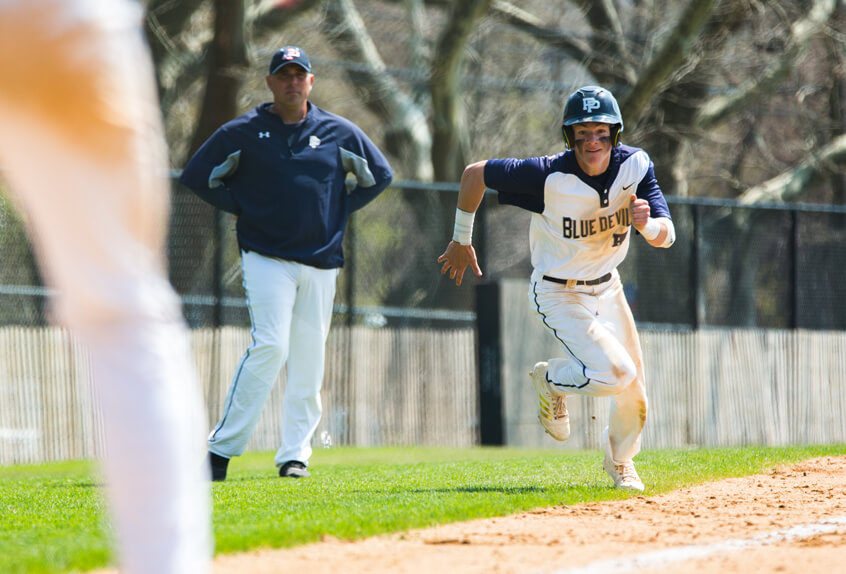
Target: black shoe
294, 469
218, 465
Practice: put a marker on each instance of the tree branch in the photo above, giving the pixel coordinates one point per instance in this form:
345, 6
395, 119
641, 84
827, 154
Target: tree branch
837, 94
749, 93
407, 134
227, 61
449, 135
607, 62
272, 15
605, 22
526, 22
163, 22
675, 51
792, 183
419, 51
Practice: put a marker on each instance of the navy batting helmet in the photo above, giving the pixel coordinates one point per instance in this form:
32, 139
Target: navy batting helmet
591, 104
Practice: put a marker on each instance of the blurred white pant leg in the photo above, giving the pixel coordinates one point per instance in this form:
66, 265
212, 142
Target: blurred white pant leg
595, 362
629, 407
271, 286
82, 145
603, 355
301, 405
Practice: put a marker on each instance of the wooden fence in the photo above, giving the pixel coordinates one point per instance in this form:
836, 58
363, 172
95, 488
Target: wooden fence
419, 387
382, 387
709, 387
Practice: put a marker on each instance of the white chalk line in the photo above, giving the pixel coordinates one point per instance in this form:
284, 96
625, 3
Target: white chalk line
661, 558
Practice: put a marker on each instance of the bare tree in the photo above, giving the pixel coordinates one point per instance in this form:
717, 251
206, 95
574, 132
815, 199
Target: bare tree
801, 32
406, 131
226, 63
654, 79
450, 140
665, 86
837, 93
708, 87
165, 20
791, 184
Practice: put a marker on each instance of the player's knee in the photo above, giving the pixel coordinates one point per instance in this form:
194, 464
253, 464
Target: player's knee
623, 372
271, 354
615, 376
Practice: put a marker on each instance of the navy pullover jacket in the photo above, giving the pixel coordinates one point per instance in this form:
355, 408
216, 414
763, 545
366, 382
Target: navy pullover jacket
286, 183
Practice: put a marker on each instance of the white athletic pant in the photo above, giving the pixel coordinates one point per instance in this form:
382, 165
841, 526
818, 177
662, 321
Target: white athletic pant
291, 310
595, 327
81, 144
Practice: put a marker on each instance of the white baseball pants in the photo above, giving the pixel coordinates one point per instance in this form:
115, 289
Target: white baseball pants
291, 311
595, 327
82, 145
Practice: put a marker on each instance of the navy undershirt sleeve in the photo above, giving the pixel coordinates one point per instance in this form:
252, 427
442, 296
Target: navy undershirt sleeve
649, 190
519, 182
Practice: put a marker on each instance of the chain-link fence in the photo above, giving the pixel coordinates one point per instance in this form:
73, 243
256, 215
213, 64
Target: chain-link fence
767, 266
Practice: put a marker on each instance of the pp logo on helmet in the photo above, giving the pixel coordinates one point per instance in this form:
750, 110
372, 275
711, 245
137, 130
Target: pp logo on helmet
590, 104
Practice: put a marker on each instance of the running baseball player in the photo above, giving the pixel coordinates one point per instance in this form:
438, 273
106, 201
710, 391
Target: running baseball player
281, 168
82, 146
584, 202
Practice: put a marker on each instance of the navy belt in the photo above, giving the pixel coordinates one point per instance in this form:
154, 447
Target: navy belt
603, 279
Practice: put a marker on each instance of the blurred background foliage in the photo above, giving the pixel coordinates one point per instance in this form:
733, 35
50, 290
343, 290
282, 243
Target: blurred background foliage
724, 95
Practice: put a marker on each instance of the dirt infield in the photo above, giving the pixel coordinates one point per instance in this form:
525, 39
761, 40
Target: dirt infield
791, 520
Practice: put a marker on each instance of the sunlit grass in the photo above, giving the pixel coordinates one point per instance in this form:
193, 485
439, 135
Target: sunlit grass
52, 516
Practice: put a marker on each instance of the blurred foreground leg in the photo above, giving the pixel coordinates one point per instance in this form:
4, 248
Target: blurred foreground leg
81, 144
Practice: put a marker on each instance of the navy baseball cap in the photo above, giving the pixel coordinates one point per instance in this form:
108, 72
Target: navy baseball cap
289, 55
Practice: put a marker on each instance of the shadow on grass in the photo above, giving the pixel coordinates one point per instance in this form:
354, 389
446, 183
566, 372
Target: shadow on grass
87, 484
510, 490
458, 489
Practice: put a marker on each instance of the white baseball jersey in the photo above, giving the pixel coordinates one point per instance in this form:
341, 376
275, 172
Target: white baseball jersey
580, 231
580, 226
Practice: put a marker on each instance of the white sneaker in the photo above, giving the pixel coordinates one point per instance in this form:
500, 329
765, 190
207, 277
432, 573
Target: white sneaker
552, 407
624, 475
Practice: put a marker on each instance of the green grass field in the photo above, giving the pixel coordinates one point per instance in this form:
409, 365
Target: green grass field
52, 516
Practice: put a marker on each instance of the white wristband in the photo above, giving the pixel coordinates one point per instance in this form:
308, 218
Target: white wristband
463, 231
651, 230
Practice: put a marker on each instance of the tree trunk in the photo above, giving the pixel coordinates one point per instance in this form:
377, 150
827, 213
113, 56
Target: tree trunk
837, 98
671, 117
419, 53
675, 50
227, 61
610, 41
407, 137
450, 141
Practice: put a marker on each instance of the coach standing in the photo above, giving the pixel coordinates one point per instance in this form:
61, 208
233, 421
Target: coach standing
281, 169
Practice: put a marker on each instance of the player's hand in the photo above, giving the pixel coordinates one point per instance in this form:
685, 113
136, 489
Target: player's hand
456, 259
640, 212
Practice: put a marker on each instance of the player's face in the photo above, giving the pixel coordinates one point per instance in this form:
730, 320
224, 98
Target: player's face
592, 144
291, 86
